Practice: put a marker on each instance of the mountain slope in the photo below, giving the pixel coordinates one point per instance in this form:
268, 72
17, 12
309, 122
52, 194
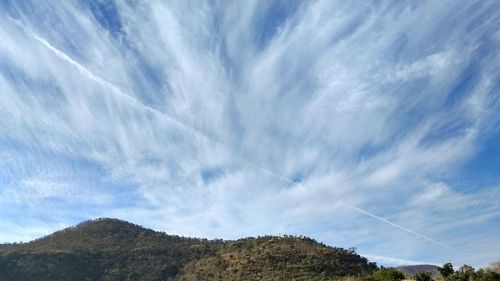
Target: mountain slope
108, 235
271, 258
412, 270
109, 249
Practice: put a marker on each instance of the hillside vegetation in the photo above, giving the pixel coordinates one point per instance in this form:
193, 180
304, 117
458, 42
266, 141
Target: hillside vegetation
277, 258
109, 249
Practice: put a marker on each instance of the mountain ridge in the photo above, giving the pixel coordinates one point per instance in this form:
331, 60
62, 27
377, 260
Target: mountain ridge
412, 270
112, 249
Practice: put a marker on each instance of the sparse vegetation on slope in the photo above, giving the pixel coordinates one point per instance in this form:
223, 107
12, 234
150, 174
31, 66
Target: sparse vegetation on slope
108, 249
277, 258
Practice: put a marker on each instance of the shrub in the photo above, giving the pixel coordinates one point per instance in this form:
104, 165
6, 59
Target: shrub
423, 276
388, 274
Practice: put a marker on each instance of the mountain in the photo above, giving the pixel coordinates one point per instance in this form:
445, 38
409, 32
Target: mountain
412, 270
110, 249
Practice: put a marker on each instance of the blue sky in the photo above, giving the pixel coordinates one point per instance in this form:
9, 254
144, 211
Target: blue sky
372, 124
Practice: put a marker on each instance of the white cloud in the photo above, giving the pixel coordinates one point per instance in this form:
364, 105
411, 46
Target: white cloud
189, 119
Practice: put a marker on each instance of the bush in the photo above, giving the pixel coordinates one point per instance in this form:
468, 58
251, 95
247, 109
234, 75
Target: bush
388, 274
423, 276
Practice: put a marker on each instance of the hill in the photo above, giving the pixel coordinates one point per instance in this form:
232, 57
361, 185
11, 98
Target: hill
110, 249
412, 270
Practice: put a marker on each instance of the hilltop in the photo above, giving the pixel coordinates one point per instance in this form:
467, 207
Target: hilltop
412, 270
110, 249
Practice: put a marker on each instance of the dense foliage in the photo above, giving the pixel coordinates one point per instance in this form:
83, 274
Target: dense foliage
108, 249
423, 276
468, 273
447, 273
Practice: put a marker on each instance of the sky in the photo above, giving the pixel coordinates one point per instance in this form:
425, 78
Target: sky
368, 124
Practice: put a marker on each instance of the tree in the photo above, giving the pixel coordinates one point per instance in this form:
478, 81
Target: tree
466, 273
388, 274
423, 276
446, 270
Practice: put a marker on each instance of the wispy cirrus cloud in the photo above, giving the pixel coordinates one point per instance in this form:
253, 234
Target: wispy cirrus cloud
230, 119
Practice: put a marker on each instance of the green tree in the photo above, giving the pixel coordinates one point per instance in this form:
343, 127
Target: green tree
446, 270
466, 273
388, 274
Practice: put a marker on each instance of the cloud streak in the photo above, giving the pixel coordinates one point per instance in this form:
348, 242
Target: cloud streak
232, 119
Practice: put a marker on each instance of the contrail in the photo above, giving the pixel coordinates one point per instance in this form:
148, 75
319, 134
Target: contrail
155, 112
393, 260
115, 89
198, 133
359, 210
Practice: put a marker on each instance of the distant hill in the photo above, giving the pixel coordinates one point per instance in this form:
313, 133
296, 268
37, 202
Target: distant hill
110, 249
412, 270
